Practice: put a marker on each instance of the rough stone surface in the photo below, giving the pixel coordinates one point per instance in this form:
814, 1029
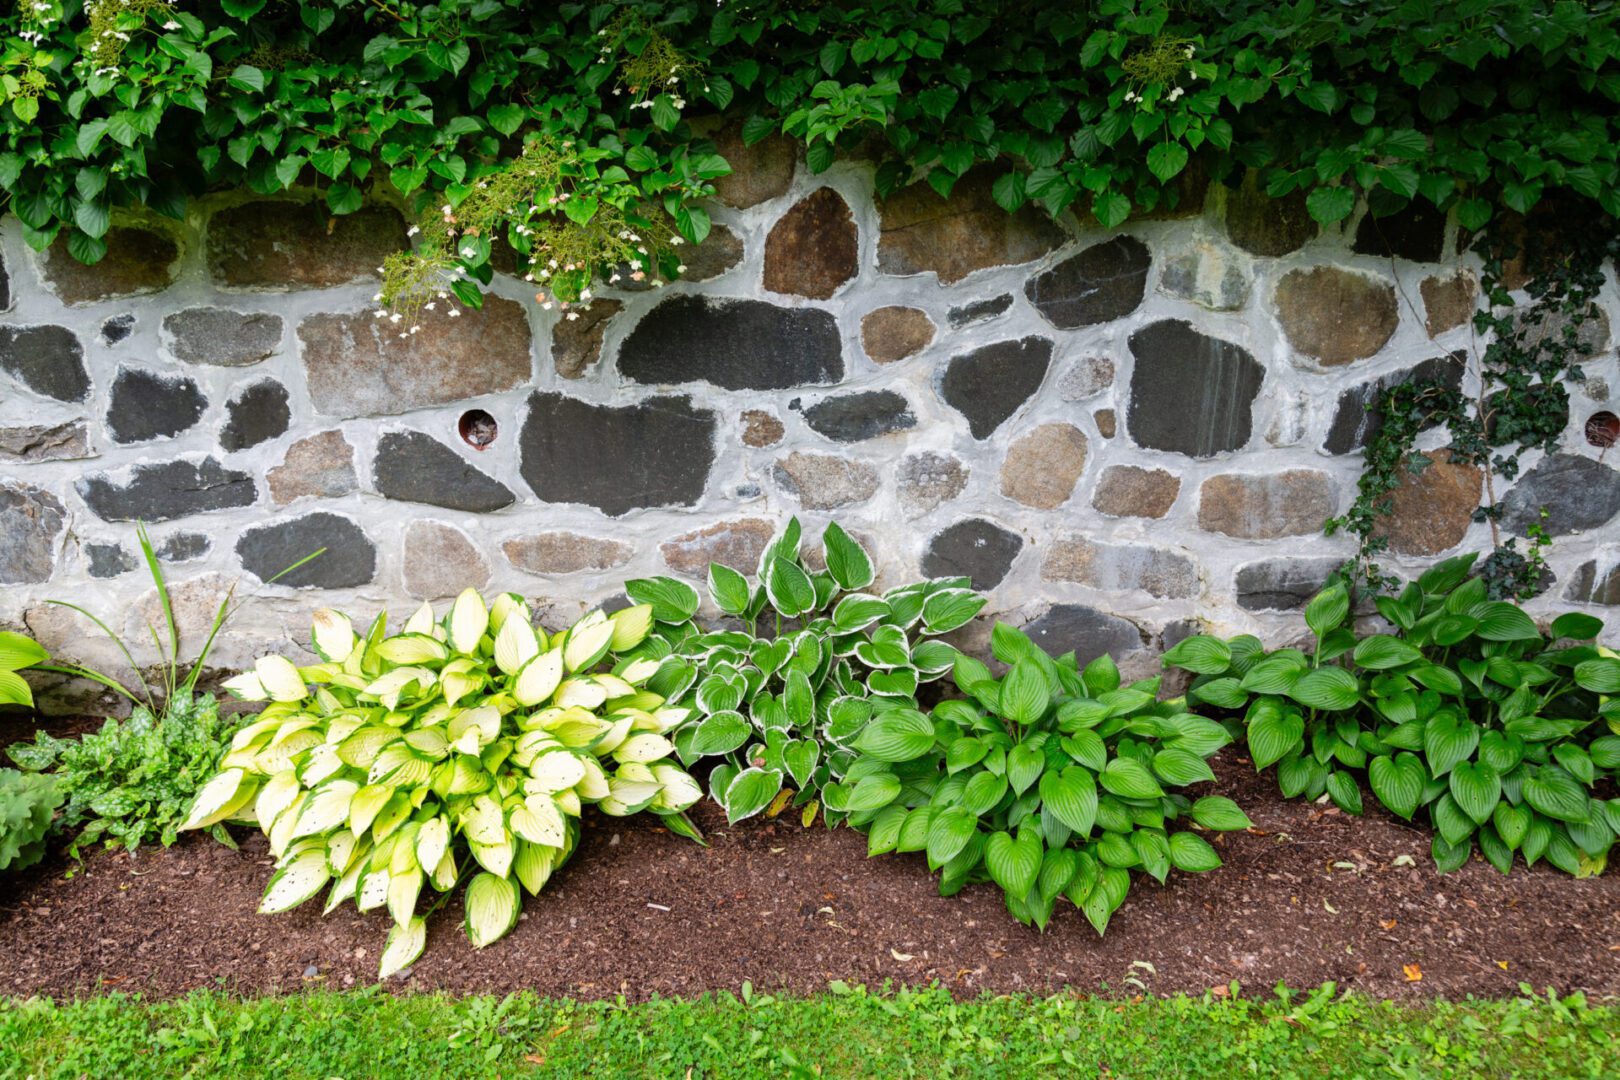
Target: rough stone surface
5, 286
415, 467
894, 333
1581, 494
439, 561
1085, 631
1417, 232
1431, 509
1262, 225
1208, 274
145, 405
47, 359
928, 480
1590, 339
733, 344
258, 414
183, 547
923, 233
617, 458
989, 384
108, 560
1134, 491
758, 172
814, 248
350, 559
565, 553
720, 251
976, 549
1190, 393
1587, 586
117, 328
276, 244
357, 368
1281, 584
137, 261
319, 467
978, 311
576, 344
1354, 426
222, 337
825, 481
167, 490
761, 428
1086, 378
45, 442
863, 415
1448, 302
1334, 315
1043, 466
1100, 284
737, 544
31, 523
1106, 422
1266, 506
1156, 571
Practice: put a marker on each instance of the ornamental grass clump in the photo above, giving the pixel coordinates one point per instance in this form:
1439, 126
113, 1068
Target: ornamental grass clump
458, 748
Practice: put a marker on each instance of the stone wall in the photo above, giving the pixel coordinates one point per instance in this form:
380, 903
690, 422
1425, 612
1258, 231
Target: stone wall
1116, 434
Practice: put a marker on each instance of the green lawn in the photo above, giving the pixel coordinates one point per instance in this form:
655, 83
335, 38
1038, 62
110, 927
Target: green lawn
841, 1033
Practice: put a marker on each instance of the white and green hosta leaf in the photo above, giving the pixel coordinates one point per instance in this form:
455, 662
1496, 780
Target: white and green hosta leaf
630, 627
296, 882
405, 943
587, 642
492, 908
539, 678
246, 687
469, 618
413, 648
515, 645
332, 635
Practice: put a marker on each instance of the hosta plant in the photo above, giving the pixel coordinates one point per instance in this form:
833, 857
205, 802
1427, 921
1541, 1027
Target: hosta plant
18, 651
779, 700
1465, 714
27, 803
1051, 781
458, 748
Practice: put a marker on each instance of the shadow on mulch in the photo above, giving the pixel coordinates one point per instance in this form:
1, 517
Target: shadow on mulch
1311, 894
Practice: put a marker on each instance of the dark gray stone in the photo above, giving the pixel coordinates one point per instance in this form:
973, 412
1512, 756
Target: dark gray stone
31, 522
108, 560
256, 415
1417, 232
1281, 584
117, 328
1587, 586
1085, 631
221, 337
5, 286
48, 359
864, 415
415, 467
1354, 427
989, 384
734, 344
1102, 283
617, 458
183, 547
1580, 494
146, 405
167, 490
974, 548
978, 311
348, 561
1190, 393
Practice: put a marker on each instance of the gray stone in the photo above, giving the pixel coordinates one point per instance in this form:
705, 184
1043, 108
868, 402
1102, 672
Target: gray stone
1086, 378
976, 549
720, 251
1133, 491
349, 559
1266, 506
1590, 339
1263, 225
814, 248
825, 481
146, 405
1085, 631
108, 560
1043, 465
761, 428
47, 359
925, 233
1156, 571
137, 261
576, 344
1416, 232
258, 414
117, 328
1354, 426
167, 490
1587, 586
45, 442
617, 458
220, 337
415, 467
1100, 284
733, 344
990, 383
737, 544
1281, 584
565, 553
927, 479
1207, 274
1190, 393
31, 523
863, 415
280, 244
1335, 315
894, 333
183, 547
321, 466
440, 561
1581, 494
978, 311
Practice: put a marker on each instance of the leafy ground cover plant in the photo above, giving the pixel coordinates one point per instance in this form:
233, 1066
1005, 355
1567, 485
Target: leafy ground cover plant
27, 803
466, 745
1050, 781
780, 704
1466, 713
18, 651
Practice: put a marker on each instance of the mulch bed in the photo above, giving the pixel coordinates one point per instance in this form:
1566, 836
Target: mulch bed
1309, 895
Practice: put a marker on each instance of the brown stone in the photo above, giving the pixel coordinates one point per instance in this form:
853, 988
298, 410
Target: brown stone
813, 249
319, 467
928, 479
440, 561
137, 261
720, 251
1161, 573
737, 544
1107, 423
1265, 506
924, 233
565, 553
825, 481
45, 442
357, 365
277, 244
1132, 491
760, 428
1043, 466
758, 172
894, 333
576, 344
1262, 225
1432, 509
1448, 302
1336, 315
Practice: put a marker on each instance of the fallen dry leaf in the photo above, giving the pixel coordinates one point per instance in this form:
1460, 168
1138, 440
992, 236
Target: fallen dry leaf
901, 956
1412, 972
1387, 924
1503, 964
1219, 991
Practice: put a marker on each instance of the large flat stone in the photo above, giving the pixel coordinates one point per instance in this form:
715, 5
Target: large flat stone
1581, 494
1587, 586
415, 467
221, 337
145, 405
1432, 509
990, 383
928, 479
1266, 506
975, 548
279, 244
67, 441
137, 261
1208, 274
1356, 421
47, 359
1043, 465
31, 523
1448, 302
759, 172
167, 490
1134, 491
1263, 225
924, 233
813, 249
1190, 393
576, 344
1281, 584
565, 553
894, 333
258, 414
733, 344
863, 415
320, 467
440, 561
1417, 232
348, 561
1086, 632
737, 544
825, 481
1334, 315
1160, 573
1100, 284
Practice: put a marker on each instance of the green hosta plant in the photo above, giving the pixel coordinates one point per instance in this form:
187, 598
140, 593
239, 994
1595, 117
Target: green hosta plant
17, 651
27, 803
1050, 781
1466, 714
455, 748
779, 704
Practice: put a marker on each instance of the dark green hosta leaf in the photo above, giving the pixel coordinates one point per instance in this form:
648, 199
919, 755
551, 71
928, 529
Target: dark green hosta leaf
1327, 609
847, 561
1201, 654
1059, 867
1101, 676
1153, 851
1512, 823
1554, 792
1219, 813
1274, 734
1342, 789
1454, 824
1577, 626
789, 588
883, 835
1274, 675
720, 734
751, 792
1072, 796
1130, 779
900, 735
1226, 693
1439, 679
1024, 693
1381, 652
1601, 676
1179, 768
871, 792
1398, 782
1192, 854
1449, 856
914, 831
1495, 850
983, 792
672, 601
1112, 886
728, 588
1477, 788
1025, 763
1502, 621
949, 609
1014, 864
1327, 688
949, 831
1447, 740
1576, 762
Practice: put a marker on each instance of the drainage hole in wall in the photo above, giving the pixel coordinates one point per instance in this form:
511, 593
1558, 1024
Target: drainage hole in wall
478, 429
1603, 429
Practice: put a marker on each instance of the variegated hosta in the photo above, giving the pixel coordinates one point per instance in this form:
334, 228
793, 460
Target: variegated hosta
467, 745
